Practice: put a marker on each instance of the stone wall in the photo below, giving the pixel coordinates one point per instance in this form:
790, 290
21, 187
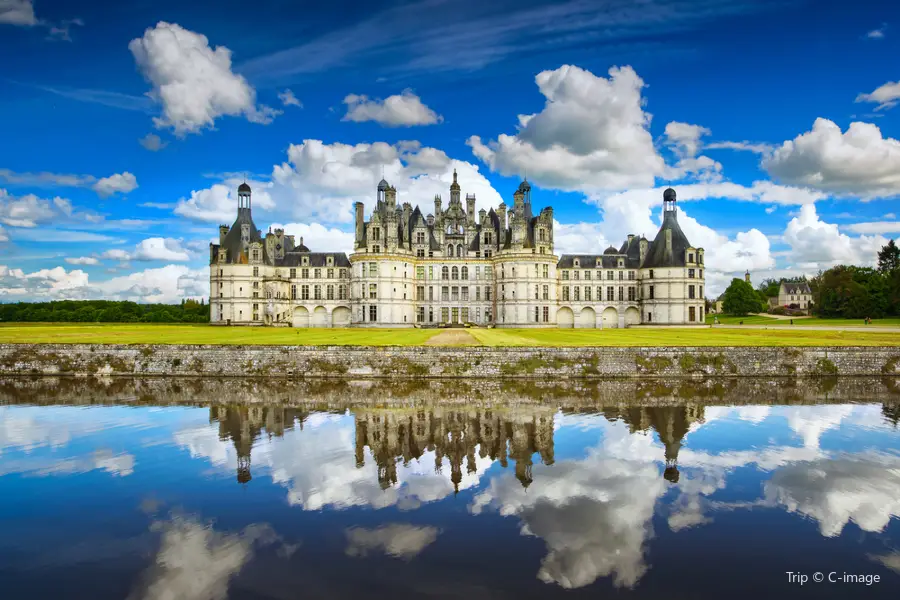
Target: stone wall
356, 362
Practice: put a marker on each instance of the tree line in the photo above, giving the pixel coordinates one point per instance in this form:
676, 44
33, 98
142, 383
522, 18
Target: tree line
844, 291
105, 311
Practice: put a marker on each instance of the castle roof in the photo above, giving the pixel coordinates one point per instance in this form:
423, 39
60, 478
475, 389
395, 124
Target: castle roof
659, 255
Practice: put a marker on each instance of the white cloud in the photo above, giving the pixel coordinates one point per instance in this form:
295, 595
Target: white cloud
395, 539
591, 135
193, 82
862, 489
116, 254
17, 12
168, 284
684, 138
288, 98
877, 227
83, 260
885, 96
318, 238
218, 204
859, 162
817, 244
118, 183
4, 237
196, 562
877, 34
152, 142
579, 238
400, 110
744, 146
29, 210
165, 249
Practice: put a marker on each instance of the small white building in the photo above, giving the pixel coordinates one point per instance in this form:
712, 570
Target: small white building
452, 267
795, 294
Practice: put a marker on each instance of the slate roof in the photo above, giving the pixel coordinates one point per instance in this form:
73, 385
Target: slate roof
796, 288
658, 255
232, 242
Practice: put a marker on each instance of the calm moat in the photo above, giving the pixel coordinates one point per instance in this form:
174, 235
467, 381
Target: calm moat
207, 489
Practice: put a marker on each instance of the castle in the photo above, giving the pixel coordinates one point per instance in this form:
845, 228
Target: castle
453, 267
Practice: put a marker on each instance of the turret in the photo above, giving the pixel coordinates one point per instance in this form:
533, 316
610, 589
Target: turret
470, 208
244, 201
437, 207
454, 190
390, 197
223, 231
481, 215
501, 215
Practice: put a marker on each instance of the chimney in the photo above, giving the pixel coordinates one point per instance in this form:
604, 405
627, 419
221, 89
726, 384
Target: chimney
437, 206
407, 213
390, 196
518, 200
470, 207
501, 213
223, 231
430, 220
644, 246
358, 207
630, 237
481, 215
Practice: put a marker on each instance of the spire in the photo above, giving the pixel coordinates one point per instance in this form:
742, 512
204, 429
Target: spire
455, 185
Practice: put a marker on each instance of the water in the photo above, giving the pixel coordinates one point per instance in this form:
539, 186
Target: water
205, 490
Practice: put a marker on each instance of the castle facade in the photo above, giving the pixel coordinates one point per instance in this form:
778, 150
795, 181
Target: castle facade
453, 266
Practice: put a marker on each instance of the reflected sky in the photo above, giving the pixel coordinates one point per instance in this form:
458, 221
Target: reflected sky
480, 500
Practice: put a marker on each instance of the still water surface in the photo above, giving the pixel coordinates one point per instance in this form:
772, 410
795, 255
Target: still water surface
144, 497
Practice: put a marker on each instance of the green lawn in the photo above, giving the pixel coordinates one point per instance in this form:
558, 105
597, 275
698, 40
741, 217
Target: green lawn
71, 333
677, 336
802, 321
139, 333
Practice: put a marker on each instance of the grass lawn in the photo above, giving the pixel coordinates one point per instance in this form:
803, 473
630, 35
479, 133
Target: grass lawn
80, 333
139, 333
802, 321
682, 337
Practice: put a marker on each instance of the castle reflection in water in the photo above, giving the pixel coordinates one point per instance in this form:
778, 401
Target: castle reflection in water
458, 434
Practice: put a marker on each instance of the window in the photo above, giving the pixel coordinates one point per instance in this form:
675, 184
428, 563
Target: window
546, 314
487, 238
420, 237
621, 275
587, 275
373, 291
631, 294
488, 314
454, 273
537, 314
256, 255
464, 274
293, 292
445, 294
293, 273
630, 275
546, 271
587, 294
542, 236
342, 292
317, 273
465, 293
610, 294
577, 293
701, 273
330, 273
621, 294
362, 314
690, 273
576, 275
701, 291
610, 275
692, 314
445, 315
317, 292
256, 287
488, 272
477, 294
565, 275
431, 314
537, 292
373, 313
651, 292
373, 269
420, 293
651, 273
566, 294
420, 314
376, 249
431, 294
304, 292
449, 249
454, 294
420, 272
376, 235
691, 293
488, 253
420, 253
256, 294
304, 273
599, 295
690, 260
459, 250
256, 271
487, 295
445, 272
329, 292
649, 317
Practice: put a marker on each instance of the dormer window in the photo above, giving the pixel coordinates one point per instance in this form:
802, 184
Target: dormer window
621, 263
376, 234
305, 261
690, 257
256, 255
577, 262
329, 261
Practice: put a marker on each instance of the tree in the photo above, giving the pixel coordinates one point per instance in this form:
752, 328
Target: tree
768, 288
740, 298
889, 258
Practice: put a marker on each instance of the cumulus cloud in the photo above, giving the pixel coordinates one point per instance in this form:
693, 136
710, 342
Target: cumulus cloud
196, 562
118, 183
319, 238
579, 238
400, 110
288, 98
834, 492
193, 83
399, 540
817, 244
168, 284
320, 182
858, 162
877, 227
83, 260
684, 138
591, 135
152, 142
166, 249
17, 12
28, 210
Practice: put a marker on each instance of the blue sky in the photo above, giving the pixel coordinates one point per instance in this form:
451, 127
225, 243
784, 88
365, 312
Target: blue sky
127, 127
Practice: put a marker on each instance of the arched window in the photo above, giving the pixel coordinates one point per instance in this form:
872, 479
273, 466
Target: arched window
450, 250
459, 250
465, 273
445, 273
455, 273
